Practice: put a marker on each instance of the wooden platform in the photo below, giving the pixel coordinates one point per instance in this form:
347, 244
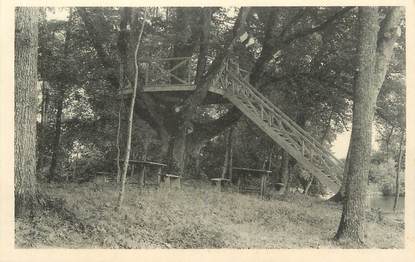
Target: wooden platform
215, 96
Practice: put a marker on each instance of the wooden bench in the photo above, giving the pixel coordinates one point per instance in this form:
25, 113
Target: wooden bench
169, 181
243, 173
141, 180
104, 177
277, 186
220, 182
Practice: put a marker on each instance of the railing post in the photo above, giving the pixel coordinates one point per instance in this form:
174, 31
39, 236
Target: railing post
311, 155
302, 147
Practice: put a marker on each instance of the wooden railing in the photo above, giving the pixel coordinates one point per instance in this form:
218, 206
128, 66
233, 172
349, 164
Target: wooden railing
180, 71
169, 71
302, 145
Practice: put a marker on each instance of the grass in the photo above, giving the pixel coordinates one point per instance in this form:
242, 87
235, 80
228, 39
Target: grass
194, 217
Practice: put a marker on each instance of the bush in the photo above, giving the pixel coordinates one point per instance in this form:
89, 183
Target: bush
383, 174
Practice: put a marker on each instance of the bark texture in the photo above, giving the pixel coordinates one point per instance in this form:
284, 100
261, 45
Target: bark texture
26, 43
352, 220
374, 53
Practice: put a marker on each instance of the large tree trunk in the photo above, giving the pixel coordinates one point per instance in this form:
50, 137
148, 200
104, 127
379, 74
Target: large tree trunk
374, 54
26, 43
56, 139
206, 17
351, 226
339, 196
178, 151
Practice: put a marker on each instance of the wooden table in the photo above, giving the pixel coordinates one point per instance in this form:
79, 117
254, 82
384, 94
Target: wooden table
242, 172
170, 181
145, 164
219, 181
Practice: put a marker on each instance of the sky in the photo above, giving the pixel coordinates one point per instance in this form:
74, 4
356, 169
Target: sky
57, 14
341, 144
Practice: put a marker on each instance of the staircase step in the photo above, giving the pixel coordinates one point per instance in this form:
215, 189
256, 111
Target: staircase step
255, 107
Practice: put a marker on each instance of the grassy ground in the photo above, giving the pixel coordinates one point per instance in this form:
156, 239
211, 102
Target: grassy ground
194, 217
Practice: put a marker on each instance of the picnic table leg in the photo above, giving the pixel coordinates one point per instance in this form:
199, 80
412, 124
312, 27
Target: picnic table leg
167, 182
262, 186
218, 185
176, 183
239, 183
141, 177
132, 169
158, 176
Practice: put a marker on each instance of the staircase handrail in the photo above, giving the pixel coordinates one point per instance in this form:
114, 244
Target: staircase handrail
265, 101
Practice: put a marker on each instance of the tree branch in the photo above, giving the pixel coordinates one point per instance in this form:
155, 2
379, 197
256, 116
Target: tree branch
273, 44
322, 26
292, 21
387, 36
97, 42
204, 131
197, 97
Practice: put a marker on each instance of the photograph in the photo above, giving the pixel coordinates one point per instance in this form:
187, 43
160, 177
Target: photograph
209, 127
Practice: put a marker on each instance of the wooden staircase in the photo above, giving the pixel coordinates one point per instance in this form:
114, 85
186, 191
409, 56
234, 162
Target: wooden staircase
308, 152
232, 83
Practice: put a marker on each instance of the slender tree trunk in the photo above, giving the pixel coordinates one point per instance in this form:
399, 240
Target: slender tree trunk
58, 123
398, 170
231, 154
25, 64
118, 145
307, 188
56, 139
43, 123
388, 142
143, 170
269, 161
284, 172
45, 105
130, 118
228, 145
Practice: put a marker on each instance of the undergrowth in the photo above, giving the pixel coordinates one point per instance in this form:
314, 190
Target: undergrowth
195, 217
